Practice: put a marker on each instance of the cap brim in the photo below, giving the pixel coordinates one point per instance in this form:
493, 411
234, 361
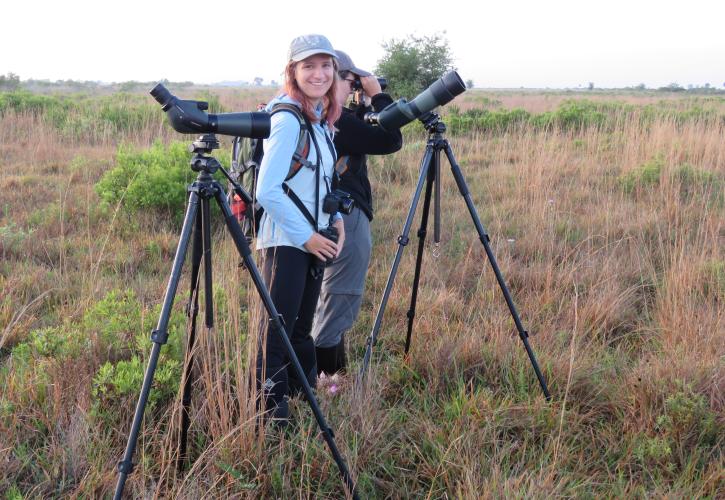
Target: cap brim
307, 53
360, 72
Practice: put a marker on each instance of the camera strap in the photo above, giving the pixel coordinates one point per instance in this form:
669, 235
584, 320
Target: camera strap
298, 203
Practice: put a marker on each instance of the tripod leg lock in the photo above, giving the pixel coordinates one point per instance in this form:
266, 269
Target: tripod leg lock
421, 233
410, 314
159, 337
280, 318
403, 240
125, 467
485, 239
525, 334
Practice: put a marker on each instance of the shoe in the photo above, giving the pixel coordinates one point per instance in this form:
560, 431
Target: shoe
326, 359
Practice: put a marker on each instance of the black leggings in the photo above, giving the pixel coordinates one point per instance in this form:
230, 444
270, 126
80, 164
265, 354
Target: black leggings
286, 272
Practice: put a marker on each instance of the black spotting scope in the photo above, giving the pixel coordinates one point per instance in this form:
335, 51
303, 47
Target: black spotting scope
401, 112
190, 117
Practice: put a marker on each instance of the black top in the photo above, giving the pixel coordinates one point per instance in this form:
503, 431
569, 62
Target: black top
355, 139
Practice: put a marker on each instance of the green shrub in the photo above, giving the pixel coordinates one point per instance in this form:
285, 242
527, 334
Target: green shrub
645, 176
85, 118
484, 120
155, 178
686, 430
651, 451
115, 320
697, 183
116, 385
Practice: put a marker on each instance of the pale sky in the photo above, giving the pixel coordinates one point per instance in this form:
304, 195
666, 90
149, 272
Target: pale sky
555, 43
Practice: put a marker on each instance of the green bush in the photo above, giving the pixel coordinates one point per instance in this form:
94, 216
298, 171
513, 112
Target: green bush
571, 115
645, 176
577, 114
115, 320
693, 183
155, 178
117, 384
699, 183
84, 118
24, 101
484, 120
119, 318
686, 430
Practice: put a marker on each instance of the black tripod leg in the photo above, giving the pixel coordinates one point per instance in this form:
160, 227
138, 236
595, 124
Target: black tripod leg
402, 242
523, 334
192, 312
159, 337
421, 244
201, 247
246, 253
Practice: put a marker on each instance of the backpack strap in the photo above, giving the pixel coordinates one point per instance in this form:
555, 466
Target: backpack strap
299, 159
302, 151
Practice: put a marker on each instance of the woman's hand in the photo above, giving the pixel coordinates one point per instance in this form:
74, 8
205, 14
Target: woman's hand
321, 247
370, 85
340, 225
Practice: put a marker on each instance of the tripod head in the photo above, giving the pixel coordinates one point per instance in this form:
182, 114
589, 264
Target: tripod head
432, 123
202, 147
204, 144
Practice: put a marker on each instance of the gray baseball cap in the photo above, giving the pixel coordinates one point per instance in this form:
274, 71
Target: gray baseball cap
344, 63
305, 46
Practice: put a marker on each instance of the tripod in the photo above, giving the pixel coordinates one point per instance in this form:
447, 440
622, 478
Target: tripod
430, 173
200, 192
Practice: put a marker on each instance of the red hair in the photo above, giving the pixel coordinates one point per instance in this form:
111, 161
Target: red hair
331, 109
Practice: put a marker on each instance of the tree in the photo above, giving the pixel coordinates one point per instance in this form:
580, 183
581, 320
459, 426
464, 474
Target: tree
11, 81
469, 84
258, 81
590, 86
412, 64
672, 87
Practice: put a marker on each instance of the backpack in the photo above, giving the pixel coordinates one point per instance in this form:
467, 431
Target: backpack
247, 154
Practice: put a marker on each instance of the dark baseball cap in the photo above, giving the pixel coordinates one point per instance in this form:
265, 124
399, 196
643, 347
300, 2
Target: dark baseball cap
305, 46
344, 63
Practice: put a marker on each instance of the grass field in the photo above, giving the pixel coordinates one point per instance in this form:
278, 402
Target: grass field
606, 213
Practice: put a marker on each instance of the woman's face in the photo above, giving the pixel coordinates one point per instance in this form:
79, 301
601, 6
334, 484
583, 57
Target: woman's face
344, 88
315, 75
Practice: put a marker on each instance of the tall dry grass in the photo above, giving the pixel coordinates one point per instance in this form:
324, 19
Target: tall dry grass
618, 276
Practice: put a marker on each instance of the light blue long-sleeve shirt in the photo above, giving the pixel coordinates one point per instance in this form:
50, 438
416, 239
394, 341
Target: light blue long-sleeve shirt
282, 223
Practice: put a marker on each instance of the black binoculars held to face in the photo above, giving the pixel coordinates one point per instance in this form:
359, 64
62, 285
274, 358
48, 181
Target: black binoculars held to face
190, 117
402, 112
357, 84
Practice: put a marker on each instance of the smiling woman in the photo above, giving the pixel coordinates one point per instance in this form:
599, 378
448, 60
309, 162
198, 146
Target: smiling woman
293, 241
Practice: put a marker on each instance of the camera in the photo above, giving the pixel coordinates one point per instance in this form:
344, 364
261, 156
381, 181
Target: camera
318, 266
357, 84
337, 201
